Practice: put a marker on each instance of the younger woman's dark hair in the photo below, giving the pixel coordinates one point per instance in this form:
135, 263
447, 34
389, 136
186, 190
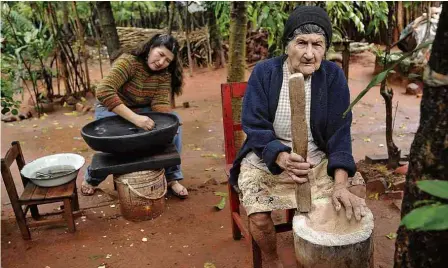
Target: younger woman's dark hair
175, 67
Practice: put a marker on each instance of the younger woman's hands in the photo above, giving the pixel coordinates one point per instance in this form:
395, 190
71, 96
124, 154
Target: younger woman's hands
142, 121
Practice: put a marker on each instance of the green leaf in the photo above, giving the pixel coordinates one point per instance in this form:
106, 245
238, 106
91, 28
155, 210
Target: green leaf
221, 203
14, 112
427, 218
437, 188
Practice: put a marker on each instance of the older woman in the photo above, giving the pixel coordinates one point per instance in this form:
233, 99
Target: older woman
265, 169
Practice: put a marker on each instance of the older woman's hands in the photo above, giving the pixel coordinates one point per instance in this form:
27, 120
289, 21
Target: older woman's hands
351, 202
294, 165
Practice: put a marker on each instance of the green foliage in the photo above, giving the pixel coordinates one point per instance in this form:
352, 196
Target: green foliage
23, 45
432, 217
270, 16
376, 13
222, 14
343, 12
125, 10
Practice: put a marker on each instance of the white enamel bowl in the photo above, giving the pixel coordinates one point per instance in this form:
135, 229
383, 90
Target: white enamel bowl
74, 161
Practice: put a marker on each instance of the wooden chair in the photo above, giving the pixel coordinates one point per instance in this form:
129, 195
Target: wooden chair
33, 196
231, 91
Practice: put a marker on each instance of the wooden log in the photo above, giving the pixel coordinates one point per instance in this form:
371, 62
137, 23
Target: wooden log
331, 241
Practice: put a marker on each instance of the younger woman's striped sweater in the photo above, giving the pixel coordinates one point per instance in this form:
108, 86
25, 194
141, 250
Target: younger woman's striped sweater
131, 82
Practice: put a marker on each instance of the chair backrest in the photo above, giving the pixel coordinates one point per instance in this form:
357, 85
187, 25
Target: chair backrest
231, 91
13, 154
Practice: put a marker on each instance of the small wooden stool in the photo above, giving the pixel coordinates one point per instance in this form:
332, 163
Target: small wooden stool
34, 195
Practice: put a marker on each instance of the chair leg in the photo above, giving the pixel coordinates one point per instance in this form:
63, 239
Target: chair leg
234, 207
75, 200
35, 212
21, 221
256, 255
69, 215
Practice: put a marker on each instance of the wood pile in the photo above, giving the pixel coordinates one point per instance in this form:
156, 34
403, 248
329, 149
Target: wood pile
130, 37
256, 43
257, 46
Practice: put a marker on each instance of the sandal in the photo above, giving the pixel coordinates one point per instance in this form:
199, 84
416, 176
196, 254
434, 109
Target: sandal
178, 189
87, 189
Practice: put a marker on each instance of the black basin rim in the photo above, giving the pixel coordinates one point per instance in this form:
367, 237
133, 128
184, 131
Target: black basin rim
154, 132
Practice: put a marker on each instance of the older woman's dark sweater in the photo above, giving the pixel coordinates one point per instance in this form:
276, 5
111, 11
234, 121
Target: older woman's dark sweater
330, 97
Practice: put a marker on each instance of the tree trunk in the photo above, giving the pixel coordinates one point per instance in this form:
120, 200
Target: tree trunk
237, 40
215, 39
388, 94
65, 21
83, 47
400, 15
237, 58
187, 37
428, 159
107, 21
171, 18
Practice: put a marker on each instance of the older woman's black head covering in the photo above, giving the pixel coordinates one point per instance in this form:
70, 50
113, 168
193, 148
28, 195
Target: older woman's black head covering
308, 15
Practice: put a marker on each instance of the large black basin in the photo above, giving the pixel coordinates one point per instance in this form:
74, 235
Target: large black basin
116, 135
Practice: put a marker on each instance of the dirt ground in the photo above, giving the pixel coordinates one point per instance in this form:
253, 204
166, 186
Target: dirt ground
191, 232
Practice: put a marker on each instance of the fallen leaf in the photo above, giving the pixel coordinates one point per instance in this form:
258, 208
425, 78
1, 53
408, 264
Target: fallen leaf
55, 123
222, 194
65, 104
210, 169
211, 155
108, 256
83, 99
34, 126
374, 196
59, 128
77, 138
90, 118
11, 125
367, 139
74, 113
197, 149
209, 265
391, 236
95, 257
221, 203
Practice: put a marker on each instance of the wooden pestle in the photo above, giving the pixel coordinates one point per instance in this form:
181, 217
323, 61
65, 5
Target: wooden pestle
299, 133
